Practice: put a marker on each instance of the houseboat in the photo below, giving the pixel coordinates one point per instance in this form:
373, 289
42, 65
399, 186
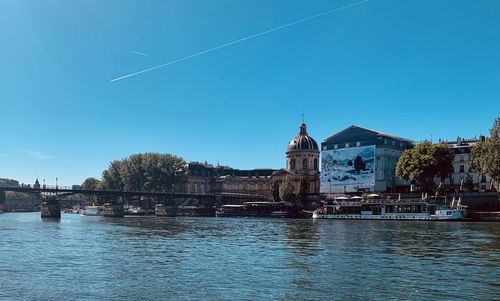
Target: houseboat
91, 211
260, 209
385, 210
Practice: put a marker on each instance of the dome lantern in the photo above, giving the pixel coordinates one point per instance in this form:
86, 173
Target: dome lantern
302, 142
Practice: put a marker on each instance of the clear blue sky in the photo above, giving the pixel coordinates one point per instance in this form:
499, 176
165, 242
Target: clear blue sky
410, 68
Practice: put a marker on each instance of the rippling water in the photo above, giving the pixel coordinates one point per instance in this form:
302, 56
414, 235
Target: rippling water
148, 258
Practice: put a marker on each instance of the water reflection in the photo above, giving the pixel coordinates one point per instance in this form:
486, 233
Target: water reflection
229, 258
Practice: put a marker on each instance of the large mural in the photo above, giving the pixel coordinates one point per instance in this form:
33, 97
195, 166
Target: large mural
348, 169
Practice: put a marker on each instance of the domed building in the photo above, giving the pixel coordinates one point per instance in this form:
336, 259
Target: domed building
302, 162
302, 154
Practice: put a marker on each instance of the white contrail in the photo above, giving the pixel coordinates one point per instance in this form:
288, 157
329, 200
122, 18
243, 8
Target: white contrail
240, 40
139, 53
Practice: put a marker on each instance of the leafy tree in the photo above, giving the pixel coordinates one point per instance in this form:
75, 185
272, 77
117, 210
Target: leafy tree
469, 183
286, 189
486, 154
90, 184
112, 177
276, 191
443, 160
149, 172
303, 190
424, 162
2, 197
359, 164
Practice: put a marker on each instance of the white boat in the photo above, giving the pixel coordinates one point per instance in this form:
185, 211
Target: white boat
91, 211
400, 210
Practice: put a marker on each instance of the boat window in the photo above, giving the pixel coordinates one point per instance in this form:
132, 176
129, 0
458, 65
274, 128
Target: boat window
448, 212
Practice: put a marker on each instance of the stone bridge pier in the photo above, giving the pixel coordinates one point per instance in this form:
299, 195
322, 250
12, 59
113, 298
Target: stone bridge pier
50, 208
2, 201
114, 209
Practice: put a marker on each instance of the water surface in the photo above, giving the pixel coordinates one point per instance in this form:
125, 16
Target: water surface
148, 258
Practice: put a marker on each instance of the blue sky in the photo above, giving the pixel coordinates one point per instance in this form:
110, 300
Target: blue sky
415, 69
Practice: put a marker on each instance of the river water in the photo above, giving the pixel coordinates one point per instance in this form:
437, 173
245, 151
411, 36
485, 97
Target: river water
149, 258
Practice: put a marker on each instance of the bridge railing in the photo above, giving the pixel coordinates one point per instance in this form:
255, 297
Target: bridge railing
59, 187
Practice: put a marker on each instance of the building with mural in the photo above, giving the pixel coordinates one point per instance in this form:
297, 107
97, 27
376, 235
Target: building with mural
357, 159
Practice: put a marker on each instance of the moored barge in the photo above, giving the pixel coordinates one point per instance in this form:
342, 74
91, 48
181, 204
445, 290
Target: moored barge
400, 210
260, 209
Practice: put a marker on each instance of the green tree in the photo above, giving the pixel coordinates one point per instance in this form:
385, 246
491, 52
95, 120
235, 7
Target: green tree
468, 183
276, 191
90, 184
112, 176
303, 190
486, 155
149, 172
443, 161
286, 189
2, 197
424, 162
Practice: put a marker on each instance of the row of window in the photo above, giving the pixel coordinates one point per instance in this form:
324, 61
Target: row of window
358, 143
305, 164
231, 186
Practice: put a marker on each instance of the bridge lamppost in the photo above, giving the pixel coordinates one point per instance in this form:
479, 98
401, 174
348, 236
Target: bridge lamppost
172, 194
56, 182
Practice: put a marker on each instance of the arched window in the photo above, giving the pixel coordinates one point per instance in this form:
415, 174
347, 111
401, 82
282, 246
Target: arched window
316, 164
292, 164
304, 164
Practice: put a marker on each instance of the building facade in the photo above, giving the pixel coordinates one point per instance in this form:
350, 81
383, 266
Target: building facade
200, 178
255, 182
461, 150
302, 162
358, 159
205, 178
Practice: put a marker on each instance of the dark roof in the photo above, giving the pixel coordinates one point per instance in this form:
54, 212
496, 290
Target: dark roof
379, 134
302, 141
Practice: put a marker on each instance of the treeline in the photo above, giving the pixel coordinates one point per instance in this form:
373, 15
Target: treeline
426, 161
8, 182
148, 172
486, 154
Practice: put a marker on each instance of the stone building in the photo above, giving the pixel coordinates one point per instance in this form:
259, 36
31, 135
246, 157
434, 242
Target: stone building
302, 161
205, 178
358, 159
461, 149
200, 179
256, 182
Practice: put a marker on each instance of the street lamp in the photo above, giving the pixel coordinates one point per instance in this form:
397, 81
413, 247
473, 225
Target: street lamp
56, 182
